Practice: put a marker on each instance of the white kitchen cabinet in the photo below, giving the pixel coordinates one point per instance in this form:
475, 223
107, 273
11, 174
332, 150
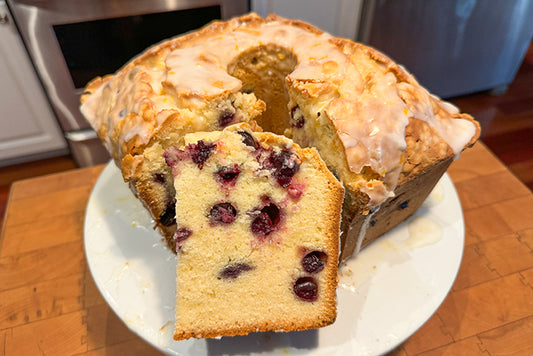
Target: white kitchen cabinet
28, 127
338, 17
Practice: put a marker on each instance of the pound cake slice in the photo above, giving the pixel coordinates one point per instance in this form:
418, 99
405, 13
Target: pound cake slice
257, 234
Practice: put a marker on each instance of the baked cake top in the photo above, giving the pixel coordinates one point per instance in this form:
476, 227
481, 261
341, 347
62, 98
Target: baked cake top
366, 96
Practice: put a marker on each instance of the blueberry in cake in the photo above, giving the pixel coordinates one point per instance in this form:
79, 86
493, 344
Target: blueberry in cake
257, 236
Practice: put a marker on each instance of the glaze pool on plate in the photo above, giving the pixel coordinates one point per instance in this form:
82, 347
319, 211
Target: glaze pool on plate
384, 295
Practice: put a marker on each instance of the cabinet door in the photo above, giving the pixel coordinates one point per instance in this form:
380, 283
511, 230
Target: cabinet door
28, 127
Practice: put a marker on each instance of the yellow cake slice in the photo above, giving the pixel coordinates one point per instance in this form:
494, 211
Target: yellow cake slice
257, 236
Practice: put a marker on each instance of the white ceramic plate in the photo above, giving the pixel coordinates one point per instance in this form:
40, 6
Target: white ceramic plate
385, 294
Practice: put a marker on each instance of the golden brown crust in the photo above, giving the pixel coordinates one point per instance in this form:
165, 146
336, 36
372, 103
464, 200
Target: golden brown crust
409, 196
424, 149
283, 324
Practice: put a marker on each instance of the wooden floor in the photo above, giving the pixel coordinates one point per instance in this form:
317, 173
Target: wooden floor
506, 122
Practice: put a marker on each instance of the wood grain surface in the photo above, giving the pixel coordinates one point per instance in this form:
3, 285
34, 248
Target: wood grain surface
50, 305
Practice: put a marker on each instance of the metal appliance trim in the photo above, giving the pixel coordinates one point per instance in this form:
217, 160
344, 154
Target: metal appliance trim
35, 19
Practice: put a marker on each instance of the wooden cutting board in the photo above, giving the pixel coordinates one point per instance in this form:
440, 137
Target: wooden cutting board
49, 303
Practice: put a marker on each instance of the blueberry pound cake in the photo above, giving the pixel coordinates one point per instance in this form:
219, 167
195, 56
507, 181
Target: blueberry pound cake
386, 138
257, 235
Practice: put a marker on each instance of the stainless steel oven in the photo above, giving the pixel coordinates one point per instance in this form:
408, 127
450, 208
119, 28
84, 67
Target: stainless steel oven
72, 41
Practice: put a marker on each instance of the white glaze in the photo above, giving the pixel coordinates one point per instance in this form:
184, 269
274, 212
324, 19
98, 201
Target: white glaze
436, 196
363, 230
423, 231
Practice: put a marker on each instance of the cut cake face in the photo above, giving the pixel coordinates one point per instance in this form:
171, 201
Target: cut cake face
258, 234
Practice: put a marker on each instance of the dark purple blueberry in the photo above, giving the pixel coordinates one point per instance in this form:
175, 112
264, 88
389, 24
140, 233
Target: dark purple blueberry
223, 213
122, 113
182, 234
373, 222
233, 271
306, 289
266, 221
314, 261
248, 139
293, 110
173, 155
168, 218
160, 178
298, 122
404, 205
200, 152
262, 225
285, 166
272, 210
225, 118
228, 174
297, 119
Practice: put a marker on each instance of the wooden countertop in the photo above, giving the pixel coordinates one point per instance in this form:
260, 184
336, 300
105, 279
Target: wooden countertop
50, 305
